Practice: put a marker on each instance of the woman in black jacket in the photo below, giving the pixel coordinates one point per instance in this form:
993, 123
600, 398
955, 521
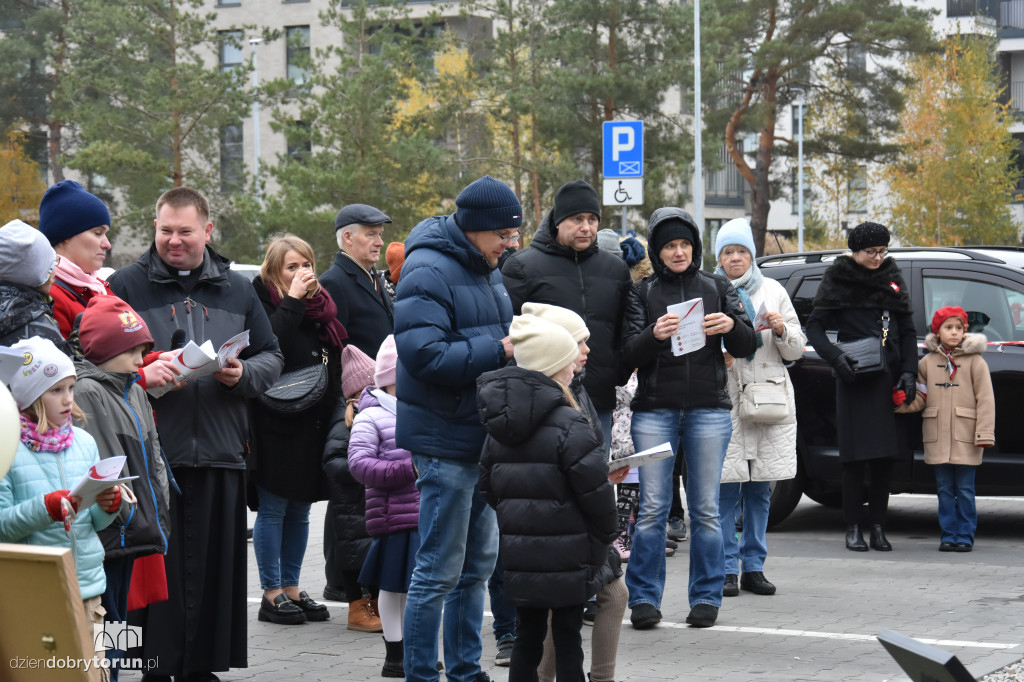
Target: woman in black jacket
863, 295
543, 470
289, 446
680, 398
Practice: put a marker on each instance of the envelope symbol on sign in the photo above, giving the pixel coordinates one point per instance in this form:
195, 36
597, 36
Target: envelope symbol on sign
629, 167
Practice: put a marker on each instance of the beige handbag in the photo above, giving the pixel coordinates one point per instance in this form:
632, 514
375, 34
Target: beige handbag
764, 402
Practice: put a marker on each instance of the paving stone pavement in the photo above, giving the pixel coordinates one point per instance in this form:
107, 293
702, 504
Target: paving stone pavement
821, 625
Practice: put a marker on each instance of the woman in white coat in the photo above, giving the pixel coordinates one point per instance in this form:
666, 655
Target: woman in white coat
759, 452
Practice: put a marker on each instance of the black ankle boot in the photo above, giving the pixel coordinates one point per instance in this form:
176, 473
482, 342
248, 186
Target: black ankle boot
878, 541
855, 539
394, 659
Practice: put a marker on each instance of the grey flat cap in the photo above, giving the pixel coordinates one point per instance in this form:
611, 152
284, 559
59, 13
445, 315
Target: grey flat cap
359, 214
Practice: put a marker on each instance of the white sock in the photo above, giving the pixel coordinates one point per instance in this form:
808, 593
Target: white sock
392, 610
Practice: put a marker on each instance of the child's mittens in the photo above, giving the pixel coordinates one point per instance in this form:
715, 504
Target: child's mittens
60, 507
898, 397
111, 504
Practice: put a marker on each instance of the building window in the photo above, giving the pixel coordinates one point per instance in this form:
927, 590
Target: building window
299, 145
724, 187
857, 191
230, 49
297, 53
232, 159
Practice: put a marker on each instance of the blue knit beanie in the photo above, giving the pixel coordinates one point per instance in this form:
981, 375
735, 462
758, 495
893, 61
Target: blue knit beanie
67, 209
488, 204
735, 232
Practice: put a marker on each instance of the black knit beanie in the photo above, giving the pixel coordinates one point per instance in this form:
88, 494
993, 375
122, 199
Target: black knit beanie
670, 230
574, 197
487, 204
867, 235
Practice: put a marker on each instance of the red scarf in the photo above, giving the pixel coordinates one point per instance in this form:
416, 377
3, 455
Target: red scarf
320, 308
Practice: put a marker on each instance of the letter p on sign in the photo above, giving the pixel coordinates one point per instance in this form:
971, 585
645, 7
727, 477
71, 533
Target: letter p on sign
623, 140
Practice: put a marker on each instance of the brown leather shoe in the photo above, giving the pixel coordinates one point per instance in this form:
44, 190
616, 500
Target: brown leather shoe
361, 616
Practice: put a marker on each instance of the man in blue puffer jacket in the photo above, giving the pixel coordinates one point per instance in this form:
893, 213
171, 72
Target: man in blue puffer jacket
452, 316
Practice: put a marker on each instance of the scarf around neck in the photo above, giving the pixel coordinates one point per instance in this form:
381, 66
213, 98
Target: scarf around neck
849, 285
54, 440
320, 308
69, 273
747, 283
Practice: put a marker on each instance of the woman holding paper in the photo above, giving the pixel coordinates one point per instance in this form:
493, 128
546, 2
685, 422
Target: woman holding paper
760, 451
682, 396
289, 446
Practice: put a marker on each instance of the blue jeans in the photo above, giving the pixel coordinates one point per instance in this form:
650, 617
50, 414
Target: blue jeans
458, 548
504, 613
705, 434
752, 498
958, 514
606, 428
279, 538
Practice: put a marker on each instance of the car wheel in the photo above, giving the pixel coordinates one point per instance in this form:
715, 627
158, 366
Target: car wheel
785, 496
823, 493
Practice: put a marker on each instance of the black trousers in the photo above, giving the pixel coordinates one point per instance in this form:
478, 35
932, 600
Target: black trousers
878, 490
532, 628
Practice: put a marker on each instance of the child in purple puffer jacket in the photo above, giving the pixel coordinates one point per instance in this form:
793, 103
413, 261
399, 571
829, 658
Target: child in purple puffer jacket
392, 503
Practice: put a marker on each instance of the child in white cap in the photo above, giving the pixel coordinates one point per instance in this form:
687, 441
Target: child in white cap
544, 471
36, 505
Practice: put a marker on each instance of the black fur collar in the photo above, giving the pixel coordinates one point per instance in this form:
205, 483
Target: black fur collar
849, 285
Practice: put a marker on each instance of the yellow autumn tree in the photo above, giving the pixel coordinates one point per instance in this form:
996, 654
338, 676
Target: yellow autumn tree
21, 185
953, 180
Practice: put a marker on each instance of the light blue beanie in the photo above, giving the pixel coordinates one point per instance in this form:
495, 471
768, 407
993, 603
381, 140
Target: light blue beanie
736, 231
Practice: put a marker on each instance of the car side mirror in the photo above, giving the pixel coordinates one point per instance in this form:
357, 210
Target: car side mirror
976, 321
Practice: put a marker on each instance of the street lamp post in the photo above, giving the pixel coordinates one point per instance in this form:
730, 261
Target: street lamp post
256, 120
698, 176
800, 168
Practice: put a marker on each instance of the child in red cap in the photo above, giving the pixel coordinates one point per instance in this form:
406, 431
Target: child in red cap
114, 339
955, 392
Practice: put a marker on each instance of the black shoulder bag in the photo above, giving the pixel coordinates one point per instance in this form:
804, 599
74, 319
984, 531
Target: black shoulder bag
867, 355
299, 389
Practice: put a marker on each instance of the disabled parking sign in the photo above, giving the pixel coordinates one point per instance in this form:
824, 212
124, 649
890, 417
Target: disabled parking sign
623, 145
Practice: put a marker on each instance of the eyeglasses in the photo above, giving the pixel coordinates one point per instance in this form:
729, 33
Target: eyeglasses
876, 253
509, 239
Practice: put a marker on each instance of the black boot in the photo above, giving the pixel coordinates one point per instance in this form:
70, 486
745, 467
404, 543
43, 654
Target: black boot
878, 541
394, 659
855, 539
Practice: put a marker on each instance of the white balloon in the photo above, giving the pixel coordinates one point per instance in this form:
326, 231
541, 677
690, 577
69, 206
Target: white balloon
10, 430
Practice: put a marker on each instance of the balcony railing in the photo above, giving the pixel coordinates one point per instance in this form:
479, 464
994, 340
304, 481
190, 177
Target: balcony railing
1017, 96
1011, 14
972, 8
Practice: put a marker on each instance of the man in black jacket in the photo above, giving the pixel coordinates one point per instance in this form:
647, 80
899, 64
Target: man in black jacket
364, 307
563, 266
183, 289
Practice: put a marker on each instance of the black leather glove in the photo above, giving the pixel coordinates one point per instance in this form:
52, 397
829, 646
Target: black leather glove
908, 384
843, 368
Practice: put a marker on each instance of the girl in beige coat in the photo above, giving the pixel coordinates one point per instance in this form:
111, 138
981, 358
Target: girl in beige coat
955, 393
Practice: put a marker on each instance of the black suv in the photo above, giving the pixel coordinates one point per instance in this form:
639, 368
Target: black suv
987, 282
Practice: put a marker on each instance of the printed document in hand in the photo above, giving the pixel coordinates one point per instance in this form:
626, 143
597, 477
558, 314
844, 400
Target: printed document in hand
641, 458
690, 336
760, 322
195, 362
104, 474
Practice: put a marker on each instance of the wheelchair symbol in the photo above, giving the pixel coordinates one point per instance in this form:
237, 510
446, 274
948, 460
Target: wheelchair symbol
621, 195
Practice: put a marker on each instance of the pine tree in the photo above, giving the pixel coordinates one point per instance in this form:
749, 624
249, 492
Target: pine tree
951, 184
755, 52
149, 102
374, 123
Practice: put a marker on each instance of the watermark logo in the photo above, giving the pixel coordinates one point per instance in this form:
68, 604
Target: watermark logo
116, 635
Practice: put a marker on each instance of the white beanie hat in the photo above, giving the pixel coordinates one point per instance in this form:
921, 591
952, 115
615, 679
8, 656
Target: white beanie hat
31, 367
563, 317
735, 232
26, 256
540, 345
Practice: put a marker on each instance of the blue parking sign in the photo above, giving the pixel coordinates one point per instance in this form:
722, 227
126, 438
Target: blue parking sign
623, 144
